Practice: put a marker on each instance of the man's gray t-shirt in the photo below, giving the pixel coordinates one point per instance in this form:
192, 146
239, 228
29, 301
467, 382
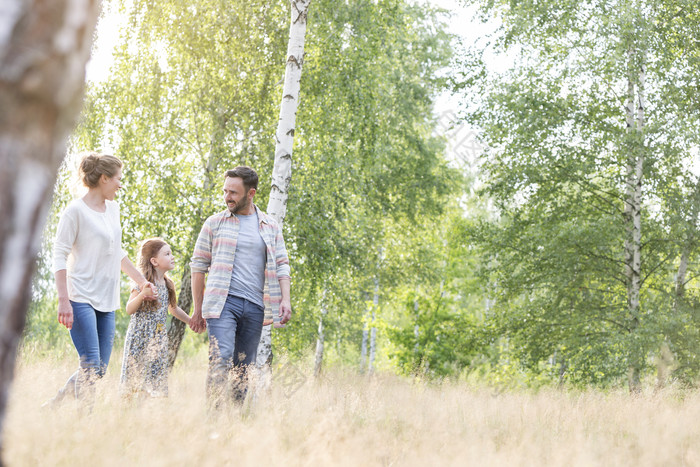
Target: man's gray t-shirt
248, 277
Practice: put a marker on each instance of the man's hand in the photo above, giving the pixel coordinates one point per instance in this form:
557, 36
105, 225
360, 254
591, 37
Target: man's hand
197, 323
65, 313
285, 311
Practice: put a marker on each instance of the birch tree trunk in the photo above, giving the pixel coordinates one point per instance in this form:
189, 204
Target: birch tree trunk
365, 339
284, 139
373, 335
44, 47
320, 340
633, 210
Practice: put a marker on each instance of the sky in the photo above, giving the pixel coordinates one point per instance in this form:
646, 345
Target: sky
107, 38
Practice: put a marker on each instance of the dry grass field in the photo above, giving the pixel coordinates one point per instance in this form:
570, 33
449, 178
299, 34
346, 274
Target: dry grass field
344, 419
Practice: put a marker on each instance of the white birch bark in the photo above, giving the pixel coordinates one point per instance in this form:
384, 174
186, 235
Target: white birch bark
372, 344
633, 207
284, 139
320, 340
44, 47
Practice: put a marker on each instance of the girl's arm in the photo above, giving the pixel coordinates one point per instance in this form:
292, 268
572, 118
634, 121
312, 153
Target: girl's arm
137, 297
197, 323
180, 314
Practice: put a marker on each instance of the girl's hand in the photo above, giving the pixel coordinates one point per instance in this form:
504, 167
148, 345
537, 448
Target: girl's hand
65, 313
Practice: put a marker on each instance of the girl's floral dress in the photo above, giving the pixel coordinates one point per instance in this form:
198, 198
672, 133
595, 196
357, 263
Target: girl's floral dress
145, 364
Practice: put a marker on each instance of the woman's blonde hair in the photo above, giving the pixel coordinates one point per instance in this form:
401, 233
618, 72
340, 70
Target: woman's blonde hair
94, 165
149, 249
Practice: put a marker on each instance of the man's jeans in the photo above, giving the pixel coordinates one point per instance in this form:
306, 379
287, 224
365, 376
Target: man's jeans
93, 336
233, 345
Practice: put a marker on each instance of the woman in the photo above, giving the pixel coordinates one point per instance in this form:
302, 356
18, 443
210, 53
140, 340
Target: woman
88, 259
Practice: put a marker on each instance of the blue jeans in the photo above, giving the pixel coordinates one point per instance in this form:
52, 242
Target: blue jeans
233, 346
93, 336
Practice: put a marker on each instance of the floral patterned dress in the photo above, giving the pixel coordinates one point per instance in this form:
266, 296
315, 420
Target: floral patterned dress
145, 363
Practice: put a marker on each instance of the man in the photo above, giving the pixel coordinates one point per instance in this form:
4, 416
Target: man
243, 252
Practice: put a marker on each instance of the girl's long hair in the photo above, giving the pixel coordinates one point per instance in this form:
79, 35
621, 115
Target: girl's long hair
149, 249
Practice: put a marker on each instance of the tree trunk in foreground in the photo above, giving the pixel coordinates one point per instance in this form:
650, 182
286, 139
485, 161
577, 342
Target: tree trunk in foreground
44, 47
284, 137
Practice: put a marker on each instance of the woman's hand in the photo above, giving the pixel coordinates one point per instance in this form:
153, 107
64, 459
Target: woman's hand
65, 313
148, 291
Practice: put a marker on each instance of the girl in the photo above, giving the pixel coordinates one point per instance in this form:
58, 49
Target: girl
88, 261
145, 365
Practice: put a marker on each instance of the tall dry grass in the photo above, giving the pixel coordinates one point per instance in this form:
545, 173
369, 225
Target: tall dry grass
345, 419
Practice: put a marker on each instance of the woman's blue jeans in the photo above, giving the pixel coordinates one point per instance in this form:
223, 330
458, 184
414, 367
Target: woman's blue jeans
93, 337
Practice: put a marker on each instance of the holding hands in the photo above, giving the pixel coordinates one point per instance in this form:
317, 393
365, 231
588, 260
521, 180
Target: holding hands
144, 291
148, 291
197, 323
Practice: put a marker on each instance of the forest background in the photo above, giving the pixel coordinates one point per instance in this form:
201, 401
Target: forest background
565, 253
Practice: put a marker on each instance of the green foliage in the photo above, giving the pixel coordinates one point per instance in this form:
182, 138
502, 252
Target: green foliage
556, 170
439, 342
368, 174
438, 328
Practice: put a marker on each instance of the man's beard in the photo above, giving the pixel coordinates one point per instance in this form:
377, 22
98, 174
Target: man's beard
242, 205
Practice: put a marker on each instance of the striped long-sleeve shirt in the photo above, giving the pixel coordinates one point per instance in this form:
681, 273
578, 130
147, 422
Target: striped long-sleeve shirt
215, 251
